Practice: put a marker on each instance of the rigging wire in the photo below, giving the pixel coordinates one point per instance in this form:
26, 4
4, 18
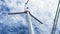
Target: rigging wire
56, 19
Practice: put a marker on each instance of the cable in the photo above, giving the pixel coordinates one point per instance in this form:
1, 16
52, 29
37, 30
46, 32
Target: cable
56, 19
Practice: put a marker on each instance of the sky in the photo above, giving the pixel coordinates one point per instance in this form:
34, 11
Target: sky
44, 10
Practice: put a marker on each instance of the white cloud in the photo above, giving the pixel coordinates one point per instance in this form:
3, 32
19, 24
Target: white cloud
44, 10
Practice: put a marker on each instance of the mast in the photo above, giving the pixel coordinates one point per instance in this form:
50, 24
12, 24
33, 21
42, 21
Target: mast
30, 25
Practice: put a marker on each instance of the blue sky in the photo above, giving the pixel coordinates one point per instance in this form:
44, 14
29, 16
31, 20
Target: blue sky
44, 10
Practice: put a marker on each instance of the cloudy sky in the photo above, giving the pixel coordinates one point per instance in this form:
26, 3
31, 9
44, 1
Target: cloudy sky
44, 10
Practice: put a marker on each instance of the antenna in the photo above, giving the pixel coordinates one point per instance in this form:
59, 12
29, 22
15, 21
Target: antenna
56, 19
